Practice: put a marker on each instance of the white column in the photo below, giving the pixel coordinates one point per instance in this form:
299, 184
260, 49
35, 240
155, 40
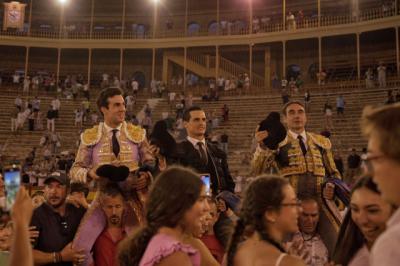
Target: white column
121, 62
26, 60
153, 64
218, 18
91, 21
89, 66
186, 17
319, 54
61, 22
284, 14
251, 63
397, 52
123, 19
58, 65
184, 66
284, 59
216, 62
30, 18
251, 17
155, 20
358, 56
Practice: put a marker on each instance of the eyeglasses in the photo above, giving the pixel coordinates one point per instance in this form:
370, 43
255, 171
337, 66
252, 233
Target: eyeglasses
368, 159
296, 204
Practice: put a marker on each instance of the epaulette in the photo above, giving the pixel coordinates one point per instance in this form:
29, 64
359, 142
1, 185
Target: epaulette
321, 141
134, 133
92, 135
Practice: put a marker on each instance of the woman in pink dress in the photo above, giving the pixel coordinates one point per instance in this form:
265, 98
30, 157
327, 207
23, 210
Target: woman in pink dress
175, 206
362, 225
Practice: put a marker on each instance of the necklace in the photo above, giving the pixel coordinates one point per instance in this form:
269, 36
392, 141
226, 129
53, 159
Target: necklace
309, 238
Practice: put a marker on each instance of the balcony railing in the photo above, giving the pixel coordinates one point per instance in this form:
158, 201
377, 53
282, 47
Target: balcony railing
224, 29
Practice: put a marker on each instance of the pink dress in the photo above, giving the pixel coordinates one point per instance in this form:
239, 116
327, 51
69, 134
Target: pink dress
161, 246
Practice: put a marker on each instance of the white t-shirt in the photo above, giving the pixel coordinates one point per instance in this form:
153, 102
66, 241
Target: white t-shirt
385, 250
135, 85
16, 78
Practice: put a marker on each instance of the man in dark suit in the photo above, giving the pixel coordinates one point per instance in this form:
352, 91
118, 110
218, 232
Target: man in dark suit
201, 155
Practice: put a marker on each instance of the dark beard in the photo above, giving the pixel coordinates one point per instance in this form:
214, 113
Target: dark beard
114, 220
58, 205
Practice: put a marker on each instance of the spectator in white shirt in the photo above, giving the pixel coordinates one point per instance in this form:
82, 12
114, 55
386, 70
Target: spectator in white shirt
55, 105
382, 127
135, 86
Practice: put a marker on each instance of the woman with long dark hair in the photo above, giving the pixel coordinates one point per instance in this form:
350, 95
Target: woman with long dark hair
269, 211
176, 203
362, 224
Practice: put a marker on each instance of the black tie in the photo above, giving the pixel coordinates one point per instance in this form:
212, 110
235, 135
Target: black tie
115, 144
302, 145
202, 151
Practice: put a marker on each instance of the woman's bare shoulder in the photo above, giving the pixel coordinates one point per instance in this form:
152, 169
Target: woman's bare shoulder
289, 260
176, 258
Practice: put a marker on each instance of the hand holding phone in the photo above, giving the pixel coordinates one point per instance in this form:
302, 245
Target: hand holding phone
12, 182
207, 183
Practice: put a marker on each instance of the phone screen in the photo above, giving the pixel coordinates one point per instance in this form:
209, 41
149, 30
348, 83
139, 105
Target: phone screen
207, 182
12, 181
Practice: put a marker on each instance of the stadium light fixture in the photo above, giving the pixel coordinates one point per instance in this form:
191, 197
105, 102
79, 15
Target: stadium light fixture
62, 1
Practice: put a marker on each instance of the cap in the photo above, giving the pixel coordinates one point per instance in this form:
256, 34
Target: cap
57, 176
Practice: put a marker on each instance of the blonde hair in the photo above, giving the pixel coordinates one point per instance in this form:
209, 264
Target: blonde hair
384, 123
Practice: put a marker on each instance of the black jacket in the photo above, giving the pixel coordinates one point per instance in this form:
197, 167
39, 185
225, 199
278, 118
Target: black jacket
217, 167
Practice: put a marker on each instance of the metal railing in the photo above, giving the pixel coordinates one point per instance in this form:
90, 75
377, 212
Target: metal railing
229, 28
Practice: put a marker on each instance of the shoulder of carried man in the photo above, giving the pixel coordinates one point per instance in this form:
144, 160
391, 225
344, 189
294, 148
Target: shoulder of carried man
134, 133
91, 136
320, 140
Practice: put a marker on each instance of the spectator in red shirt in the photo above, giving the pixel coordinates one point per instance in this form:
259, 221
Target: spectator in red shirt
105, 247
209, 238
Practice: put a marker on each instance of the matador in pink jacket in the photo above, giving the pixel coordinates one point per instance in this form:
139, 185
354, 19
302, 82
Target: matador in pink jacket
114, 142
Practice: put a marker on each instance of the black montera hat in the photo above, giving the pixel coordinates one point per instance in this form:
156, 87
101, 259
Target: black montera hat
276, 130
113, 173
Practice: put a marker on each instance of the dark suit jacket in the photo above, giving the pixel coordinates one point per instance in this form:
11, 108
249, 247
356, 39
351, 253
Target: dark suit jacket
217, 166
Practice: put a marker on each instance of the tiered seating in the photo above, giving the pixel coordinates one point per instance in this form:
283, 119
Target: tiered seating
18, 145
245, 113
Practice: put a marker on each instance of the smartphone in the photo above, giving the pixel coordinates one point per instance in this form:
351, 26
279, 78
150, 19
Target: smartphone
207, 182
12, 182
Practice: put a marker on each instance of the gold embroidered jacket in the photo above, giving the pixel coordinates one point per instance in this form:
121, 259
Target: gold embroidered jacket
288, 159
96, 149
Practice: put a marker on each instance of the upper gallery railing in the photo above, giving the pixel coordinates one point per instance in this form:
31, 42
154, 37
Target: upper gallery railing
224, 28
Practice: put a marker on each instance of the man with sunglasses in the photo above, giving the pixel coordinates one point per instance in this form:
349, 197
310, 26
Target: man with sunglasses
382, 127
56, 223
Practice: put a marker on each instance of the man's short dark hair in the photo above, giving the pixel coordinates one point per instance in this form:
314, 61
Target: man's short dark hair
186, 114
111, 189
102, 99
285, 107
309, 198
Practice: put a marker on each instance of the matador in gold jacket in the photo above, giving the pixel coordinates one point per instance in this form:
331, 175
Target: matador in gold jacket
307, 168
114, 142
